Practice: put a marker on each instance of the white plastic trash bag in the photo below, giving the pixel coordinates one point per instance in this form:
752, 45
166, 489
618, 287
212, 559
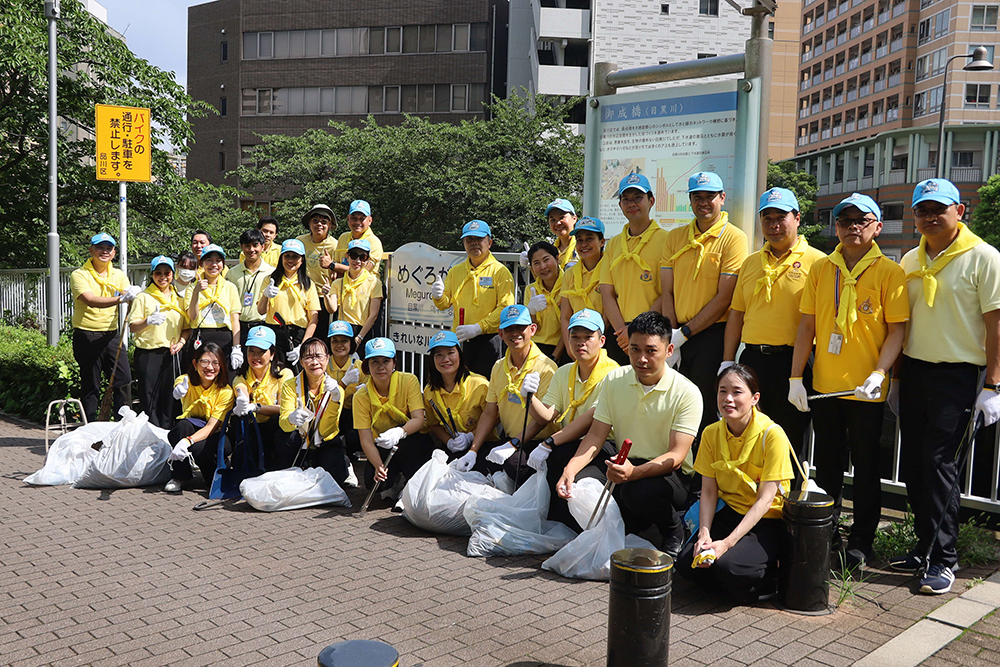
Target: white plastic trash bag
502, 481
515, 525
134, 454
589, 555
293, 489
434, 498
69, 455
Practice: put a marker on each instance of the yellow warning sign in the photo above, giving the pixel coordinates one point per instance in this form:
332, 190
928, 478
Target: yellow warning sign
123, 144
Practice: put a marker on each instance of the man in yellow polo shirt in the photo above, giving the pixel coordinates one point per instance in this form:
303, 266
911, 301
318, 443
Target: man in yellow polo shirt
320, 246
698, 271
250, 276
359, 222
854, 306
629, 284
97, 289
953, 281
765, 312
478, 290
657, 409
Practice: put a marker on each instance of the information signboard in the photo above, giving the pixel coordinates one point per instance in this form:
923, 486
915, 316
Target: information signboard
123, 144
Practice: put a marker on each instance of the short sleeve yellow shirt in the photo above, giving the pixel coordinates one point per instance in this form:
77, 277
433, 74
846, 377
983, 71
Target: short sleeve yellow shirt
588, 283
479, 293
548, 320
636, 280
356, 309
314, 251
338, 372
211, 403
161, 335
293, 303
407, 399
375, 254
295, 393
82, 281
566, 386
215, 305
249, 285
466, 401
264, 392
510, 405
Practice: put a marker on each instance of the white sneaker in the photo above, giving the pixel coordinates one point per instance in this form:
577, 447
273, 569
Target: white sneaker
173, 486
352, 479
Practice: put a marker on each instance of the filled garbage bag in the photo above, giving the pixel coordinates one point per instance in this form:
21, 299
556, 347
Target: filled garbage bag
515, 525
293, 488
434, 498
69, 455
589, 555
134, 454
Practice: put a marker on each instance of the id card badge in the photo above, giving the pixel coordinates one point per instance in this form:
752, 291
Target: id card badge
513, 398
247, 299
836, 342
486, 281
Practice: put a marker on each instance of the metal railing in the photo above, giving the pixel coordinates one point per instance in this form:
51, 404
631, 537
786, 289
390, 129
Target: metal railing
966, 174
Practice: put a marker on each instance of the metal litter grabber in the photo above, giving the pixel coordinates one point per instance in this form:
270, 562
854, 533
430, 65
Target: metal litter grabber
371, 494
609, 487
833, 394
437, 411
522, 445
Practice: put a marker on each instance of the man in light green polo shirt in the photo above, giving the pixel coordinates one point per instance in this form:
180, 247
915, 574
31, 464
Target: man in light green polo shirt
250, 276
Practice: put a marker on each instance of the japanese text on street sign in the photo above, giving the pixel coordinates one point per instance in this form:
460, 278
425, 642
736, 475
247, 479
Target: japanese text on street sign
414, 268
123, 144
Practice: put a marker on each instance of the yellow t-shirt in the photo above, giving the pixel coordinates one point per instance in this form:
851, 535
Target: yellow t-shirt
337, 373
881, 299
567, 254
482, 292
162, 335
767, 461
85, 280
295, 393
725, 250
293, 303
953, 330
466, 401
314, 251
577, 277
774, 322
266, 391
567, 387
356, 309
548, 320
215, 305
249, 285
375, 254
509, 403
269, 256
636, 281
406, 399
211, 403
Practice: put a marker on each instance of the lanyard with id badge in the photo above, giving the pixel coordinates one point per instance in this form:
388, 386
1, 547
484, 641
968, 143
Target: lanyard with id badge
836, 342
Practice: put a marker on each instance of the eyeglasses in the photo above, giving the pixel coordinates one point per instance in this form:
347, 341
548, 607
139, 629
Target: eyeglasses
208, 363
314, 357
861, 223
930, 211
357, 257
633, 199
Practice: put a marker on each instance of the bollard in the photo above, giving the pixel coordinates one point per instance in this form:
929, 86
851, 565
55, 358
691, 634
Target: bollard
359, 653
639, 608
804, 565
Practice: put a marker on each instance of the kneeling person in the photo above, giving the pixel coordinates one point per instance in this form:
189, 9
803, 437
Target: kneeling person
258, 391
454, 397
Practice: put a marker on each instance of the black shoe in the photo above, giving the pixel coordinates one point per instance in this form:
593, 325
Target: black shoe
672, 544
853, 560
909, 562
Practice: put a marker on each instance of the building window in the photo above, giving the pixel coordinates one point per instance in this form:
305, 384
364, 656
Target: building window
222, 161
224, 51
963, 159
359, 100
708, 7
934, 27
290, 44
932, 64
223, 108
977, 96
459, 97
770, 29
702, 56
984, 17
665, 9
461, 39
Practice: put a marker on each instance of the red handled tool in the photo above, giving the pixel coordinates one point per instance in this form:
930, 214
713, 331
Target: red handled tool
609, 487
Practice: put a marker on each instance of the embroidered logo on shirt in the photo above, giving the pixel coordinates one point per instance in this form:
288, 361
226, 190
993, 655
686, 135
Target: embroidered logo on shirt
646, 277
866, 306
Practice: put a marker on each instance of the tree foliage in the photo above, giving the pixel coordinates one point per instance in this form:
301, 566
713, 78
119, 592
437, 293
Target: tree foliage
986, 216
804, 185
425, 180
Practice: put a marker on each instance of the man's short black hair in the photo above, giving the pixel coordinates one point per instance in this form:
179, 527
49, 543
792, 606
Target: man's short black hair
267, 220
203, 233
651, 323
251, 236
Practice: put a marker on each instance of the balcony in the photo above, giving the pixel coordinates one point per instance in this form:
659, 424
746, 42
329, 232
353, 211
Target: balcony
841, 68
892, 226
827, 75
895, 79
820, 20
818, 49
556, 23
855, 3
884, 17
878, 118
879, 85
854, 62
808, 27
803, 141
866, 57
926, 172
841, 38
892, 114
855, 31
807, 55
825, 134
866, 183
850, 127
838, 100
966, 174
815, 108
818, 79
865, 90
562, 80
814, 137
851, 185
832, 14
804, 112
827, 104
895, 45
863, 123
897, 176
882, 51
852, 95
843, 7
899, 10
804, 84
838, 130
823, 189
869, 24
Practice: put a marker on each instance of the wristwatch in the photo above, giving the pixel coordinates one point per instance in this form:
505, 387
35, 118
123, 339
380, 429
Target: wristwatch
686, 330
549, 442
994, 387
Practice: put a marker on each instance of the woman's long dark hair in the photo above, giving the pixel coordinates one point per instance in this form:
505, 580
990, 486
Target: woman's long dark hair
434, 378
302, 273
222, 379
744, 373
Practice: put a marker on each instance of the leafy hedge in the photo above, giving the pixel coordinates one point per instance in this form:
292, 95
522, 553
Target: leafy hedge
33, 373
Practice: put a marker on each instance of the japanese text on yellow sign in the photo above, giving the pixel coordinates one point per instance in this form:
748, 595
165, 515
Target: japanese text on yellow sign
123, 145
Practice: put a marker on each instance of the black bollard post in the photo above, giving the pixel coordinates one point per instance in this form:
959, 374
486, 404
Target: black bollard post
639, 608
804, 564
359, 653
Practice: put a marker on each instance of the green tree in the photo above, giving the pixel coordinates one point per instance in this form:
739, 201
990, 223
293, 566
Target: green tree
425, 180
803, 184
986, 216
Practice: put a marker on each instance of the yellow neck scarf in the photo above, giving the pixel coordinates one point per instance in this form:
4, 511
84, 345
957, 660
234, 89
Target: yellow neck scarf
771, 274
758, 427
166, 303
380, 407
601, 369
847, 313
695, 239
553, 297
108, 288
584, 291
463, 391
292, 285
568, 253
205, 399
206, 298
473, 275
514, 379
966, 240
633, 255
351, 287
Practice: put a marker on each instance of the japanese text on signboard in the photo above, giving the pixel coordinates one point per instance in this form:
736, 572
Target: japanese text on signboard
123, 144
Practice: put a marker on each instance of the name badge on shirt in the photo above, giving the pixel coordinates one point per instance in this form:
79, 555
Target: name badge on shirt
513, 398
836, 342
486, 281
247, 299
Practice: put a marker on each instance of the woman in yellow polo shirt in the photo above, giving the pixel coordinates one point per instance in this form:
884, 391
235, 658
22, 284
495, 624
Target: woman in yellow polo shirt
258, 391
581, 282
213, 308
744, 461
205, 397
346, 370
543, 298
290, 303
158, 322
358, 293
458, 394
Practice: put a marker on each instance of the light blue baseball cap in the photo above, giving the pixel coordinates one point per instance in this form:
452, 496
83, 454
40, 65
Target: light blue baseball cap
380, 347
443, 339
513, 315
588, 224
782, 199
705, 181
636, 181
262, 337
940, 190
863, 203
360, 205
103, 238
360, 244
588, 319
161, 259
293, 245
476, 228
210, 248
340, 328
562, 205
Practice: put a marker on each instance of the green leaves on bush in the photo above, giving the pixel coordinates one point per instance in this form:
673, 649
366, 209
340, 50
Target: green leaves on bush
34, 373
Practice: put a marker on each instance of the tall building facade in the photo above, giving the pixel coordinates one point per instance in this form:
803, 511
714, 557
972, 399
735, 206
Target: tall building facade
286, 66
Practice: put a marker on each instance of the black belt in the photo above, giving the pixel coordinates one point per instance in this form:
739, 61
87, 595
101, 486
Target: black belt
771, 349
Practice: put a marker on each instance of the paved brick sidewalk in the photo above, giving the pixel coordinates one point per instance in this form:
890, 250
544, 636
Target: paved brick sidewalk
135, 577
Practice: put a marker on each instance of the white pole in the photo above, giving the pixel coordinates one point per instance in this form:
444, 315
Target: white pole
52, 305
123, 240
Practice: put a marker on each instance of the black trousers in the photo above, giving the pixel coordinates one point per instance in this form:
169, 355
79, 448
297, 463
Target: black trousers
557, 461
935, 404
701, 357
413, 452
155, 371
285, 338
613, 349
94, 352
747, 570
205, 452
329, 456
845, 427
773, 365
548, 351
482, 352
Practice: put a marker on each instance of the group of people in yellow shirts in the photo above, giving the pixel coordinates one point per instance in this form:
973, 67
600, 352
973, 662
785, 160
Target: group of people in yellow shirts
634, 337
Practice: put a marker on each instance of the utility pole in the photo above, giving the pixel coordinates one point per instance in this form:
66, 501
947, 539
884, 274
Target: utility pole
52, 305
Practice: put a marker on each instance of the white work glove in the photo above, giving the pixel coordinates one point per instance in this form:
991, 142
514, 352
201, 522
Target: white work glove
236, 357
271, 290
330, 385
537, 457
293, 355
130, 294
537, 303
500, 454
523, 259
678, 338
390, 439
871, 389
529, 385
300, 416
351, 376
437, 288
465, 463
459, 443
674, 360
988, 403
156, 318
723, 366
243, 405
797, 394
466, 332
181, 389
893, 396
180, 450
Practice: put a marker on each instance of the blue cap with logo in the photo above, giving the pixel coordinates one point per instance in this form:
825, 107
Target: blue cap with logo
262, 337
360, 244
940, 190
293, 245
636, 181
340, 328
161, 259
782, 199
588, 224
380, 347
513, 315
863, 203
103, 238
588, 319
476, 228
212, 247
705, 181
562, 205
360, 205
443, 339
